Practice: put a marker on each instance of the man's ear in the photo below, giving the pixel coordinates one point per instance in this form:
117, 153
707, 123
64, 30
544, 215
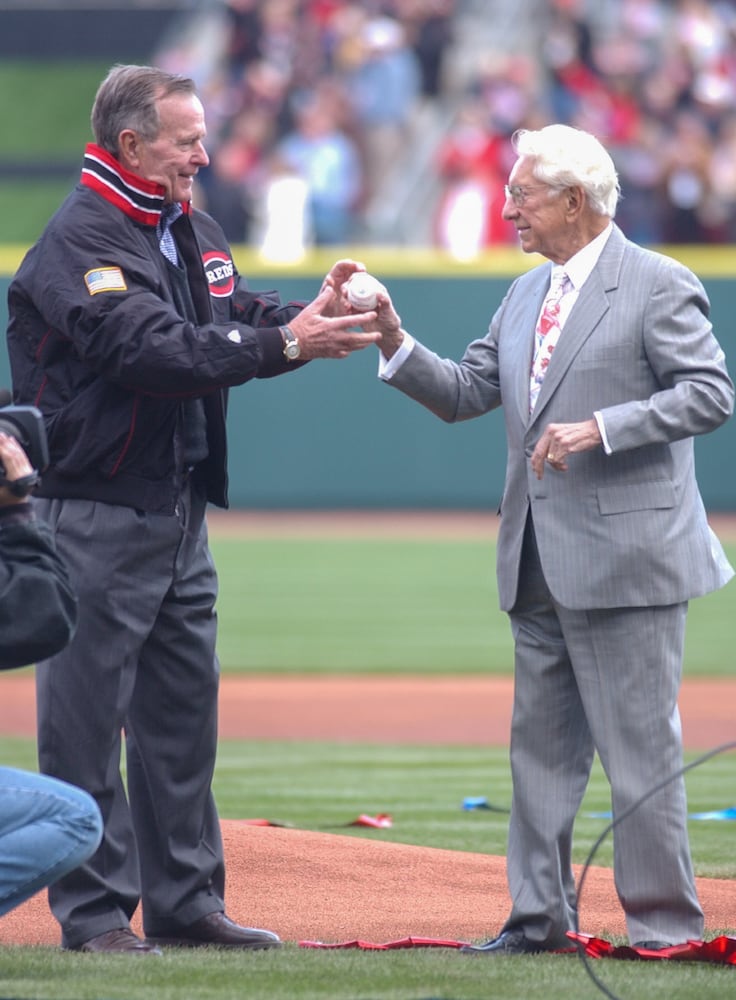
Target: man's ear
128, 148
575, 200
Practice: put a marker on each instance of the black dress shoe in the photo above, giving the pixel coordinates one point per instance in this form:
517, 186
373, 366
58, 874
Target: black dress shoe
652, 945
217, 931
507, 943
122, 940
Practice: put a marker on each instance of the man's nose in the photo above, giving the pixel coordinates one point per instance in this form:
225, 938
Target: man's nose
510, 209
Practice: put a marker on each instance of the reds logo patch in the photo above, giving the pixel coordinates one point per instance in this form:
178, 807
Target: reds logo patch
220, 273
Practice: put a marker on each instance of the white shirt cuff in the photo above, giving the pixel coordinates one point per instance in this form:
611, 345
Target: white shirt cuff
602, 430
387, 367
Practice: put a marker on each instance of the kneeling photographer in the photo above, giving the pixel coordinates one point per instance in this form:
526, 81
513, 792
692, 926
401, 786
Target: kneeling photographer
47, 827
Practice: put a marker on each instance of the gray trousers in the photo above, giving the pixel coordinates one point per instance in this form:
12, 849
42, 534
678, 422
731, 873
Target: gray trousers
604, 681
142, 664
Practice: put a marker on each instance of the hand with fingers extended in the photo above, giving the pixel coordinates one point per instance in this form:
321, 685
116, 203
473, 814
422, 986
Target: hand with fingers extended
321, 330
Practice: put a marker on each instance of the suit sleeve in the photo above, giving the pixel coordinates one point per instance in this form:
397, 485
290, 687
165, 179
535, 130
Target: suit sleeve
691, 392
452, 390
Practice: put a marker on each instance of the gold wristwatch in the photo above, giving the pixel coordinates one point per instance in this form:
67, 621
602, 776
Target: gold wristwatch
292, 349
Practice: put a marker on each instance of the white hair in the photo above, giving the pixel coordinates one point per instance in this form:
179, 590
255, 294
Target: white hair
568, 157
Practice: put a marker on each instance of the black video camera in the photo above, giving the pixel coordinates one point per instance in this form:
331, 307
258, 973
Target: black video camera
25, 424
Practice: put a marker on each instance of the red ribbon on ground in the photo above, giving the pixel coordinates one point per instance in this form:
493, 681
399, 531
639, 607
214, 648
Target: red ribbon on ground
721, 950
262, 822
407, 942
381, 821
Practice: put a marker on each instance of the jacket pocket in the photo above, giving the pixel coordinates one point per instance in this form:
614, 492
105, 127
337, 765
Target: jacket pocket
622, 498
105, 428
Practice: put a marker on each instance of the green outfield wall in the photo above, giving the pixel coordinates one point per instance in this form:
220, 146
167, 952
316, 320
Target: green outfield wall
333, 436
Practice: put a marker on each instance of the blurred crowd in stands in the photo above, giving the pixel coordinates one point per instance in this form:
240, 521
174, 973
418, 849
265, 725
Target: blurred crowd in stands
313, 102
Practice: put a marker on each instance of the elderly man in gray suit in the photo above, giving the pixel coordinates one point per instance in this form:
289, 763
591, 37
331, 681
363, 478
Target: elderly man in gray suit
604, 380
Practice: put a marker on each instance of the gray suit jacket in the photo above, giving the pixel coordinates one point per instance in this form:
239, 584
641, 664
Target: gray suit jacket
621, 530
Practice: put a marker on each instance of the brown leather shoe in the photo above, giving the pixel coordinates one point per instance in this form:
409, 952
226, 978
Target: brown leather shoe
217, 931
122, 940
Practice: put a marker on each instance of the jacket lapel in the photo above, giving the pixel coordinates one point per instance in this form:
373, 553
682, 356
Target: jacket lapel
522, 320
592, 304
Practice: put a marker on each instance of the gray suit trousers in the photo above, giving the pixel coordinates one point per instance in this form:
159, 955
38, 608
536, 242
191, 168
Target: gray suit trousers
143, 662
605, 681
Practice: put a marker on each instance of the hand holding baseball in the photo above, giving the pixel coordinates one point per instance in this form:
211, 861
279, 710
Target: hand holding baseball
362, 291
323, 333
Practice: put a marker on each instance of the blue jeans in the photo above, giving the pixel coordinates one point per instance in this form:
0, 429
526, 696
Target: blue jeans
47, 828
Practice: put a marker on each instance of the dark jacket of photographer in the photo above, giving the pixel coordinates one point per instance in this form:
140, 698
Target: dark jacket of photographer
128, 357
38, 608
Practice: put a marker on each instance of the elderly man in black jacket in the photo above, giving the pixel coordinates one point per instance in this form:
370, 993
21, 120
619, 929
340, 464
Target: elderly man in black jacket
128, 323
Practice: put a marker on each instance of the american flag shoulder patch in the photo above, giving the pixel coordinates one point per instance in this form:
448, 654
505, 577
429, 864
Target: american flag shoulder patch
105, 279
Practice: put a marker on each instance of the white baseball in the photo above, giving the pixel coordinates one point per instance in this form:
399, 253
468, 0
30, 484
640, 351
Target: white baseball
362, 289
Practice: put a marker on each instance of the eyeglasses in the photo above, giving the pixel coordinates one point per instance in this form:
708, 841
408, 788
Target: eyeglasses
519, 194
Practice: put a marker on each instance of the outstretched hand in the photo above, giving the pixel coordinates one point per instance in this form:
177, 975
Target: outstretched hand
323, 327
323, 333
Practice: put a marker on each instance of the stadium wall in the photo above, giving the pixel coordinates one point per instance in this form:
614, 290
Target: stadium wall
333, 436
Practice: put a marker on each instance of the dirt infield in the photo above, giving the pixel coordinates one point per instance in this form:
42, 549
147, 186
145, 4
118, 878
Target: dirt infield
380, 524
317, 886
475, 711
327, 887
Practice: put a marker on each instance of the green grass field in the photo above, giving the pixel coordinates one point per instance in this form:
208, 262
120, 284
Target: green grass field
386, 606
296, 974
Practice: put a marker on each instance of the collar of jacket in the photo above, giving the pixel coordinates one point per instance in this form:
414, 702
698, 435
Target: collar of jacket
135, 196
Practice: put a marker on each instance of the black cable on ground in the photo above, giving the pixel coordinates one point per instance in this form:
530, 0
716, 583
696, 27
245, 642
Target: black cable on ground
614, 823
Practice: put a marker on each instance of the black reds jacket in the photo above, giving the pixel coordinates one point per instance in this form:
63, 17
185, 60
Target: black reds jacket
96, 341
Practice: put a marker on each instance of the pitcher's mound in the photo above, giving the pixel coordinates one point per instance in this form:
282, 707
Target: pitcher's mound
327, 887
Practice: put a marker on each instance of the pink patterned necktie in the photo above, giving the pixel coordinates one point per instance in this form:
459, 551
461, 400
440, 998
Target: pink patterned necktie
547, 332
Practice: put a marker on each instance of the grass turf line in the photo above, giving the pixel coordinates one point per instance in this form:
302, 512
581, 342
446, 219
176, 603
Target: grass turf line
392, 606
